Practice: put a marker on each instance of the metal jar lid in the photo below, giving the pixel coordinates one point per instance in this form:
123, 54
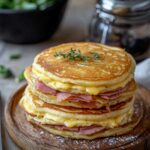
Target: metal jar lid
125, 7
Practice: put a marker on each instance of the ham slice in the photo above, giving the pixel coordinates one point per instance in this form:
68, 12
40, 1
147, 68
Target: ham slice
88, 130
64, 96
114, 94
91, 130
61, 127
45, 89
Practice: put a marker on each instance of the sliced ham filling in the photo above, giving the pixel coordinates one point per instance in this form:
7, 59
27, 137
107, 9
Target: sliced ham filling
45, 89
114, 94
64, 96
82, 130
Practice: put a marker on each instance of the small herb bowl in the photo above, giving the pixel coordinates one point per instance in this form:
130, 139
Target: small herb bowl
31, 26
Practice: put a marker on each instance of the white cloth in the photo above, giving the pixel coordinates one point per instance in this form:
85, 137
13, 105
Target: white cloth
142, 73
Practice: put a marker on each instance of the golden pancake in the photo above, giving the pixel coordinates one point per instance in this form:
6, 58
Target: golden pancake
53, 114
113, 63
138, 113
97, 103
67, 87
112, 70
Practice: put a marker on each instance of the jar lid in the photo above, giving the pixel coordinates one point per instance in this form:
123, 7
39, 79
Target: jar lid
125, 7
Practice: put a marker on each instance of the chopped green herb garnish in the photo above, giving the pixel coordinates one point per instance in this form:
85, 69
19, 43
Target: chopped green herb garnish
60, 54
14, 56
5, 72
77, 55
20, 77
72, 55
95, 55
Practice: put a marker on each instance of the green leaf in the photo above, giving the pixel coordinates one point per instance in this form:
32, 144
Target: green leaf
20, 77
95, 55
77, 55
14, 56
5, 72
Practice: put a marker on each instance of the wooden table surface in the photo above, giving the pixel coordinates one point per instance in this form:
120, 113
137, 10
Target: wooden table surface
74, 27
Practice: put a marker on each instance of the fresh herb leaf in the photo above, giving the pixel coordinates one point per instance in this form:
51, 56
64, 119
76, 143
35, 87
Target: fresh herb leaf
72, 55
60, 54
14, 56
20, 77
77, 55
57, 54
95, 55
85, 58
5, 72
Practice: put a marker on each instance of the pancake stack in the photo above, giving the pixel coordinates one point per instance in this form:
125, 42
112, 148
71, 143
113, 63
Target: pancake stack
81, 91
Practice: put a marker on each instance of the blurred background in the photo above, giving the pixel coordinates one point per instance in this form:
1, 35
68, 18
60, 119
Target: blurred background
73, 26
29, 26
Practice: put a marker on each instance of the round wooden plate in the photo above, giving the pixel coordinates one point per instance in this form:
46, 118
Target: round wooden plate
31, 137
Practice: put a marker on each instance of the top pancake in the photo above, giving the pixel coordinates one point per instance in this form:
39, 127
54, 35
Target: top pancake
114, 64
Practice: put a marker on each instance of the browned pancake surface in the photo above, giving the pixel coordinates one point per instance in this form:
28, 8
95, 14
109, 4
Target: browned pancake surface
113, 62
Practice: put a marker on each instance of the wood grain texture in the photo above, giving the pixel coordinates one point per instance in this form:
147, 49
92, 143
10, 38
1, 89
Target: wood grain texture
31, 137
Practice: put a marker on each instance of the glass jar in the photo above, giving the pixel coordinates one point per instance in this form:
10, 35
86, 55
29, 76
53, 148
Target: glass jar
122, 23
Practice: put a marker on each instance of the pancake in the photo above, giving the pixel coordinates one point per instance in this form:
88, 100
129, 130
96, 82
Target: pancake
138, 112
114, 69
67, 87
82, 91
48, 97
98, 103
71, 117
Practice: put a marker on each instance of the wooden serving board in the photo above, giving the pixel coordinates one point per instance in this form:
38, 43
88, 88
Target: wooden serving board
32, 137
